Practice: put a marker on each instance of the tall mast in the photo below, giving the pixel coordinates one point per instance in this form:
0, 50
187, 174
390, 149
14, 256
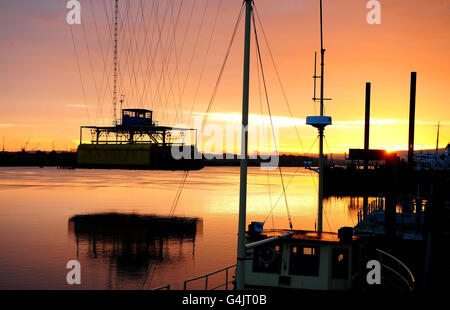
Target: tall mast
241, 253
322, 71
115, 59
320, 122
322, 61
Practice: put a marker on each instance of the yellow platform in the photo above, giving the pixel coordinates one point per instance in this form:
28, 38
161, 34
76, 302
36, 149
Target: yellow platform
114, 154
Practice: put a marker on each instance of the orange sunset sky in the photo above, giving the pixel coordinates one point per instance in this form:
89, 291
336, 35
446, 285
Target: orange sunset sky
46, 96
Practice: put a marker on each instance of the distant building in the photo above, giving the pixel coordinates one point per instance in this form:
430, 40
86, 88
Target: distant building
433, 160
136, 142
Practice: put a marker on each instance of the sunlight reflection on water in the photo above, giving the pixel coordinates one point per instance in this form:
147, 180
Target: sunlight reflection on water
36, 239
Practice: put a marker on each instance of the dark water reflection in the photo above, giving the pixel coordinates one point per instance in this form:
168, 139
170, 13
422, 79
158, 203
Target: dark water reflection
36, 204
133, 244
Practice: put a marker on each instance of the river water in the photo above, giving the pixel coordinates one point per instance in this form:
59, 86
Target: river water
36, 238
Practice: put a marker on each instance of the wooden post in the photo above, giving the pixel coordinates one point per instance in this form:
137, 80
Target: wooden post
412, 115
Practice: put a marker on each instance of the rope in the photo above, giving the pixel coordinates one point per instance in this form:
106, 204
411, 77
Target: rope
178, 194
281, 195
290, 180
183, 181
161, 87
136, 54
105, 73
281, 84
178, 109
167, 55
90, 60
278, 77
205, 58
286, 100
271, 121
79, 72
145, 50
181, 89
150, 70
132, 50
222, 67
195, 44
107, 89
264, 138
147, 272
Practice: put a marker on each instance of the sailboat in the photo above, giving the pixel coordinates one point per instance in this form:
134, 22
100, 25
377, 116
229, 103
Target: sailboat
287, 258
436, 161
300, 259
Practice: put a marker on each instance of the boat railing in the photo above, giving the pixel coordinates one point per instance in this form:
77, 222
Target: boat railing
160, 288
226, 284
397, 267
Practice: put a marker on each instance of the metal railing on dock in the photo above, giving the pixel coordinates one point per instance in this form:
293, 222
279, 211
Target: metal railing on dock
398, 268
376, 205
227, 283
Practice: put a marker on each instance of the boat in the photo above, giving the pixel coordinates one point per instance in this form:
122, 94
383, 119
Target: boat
299, 259
288, 258
433, 161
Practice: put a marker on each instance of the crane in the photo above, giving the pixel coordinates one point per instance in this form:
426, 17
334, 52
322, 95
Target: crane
25, 146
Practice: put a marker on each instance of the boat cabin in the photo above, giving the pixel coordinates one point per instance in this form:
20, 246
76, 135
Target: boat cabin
299, 260
137, 117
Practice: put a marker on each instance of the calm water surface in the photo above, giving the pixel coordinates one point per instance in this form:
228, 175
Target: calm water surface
36, 240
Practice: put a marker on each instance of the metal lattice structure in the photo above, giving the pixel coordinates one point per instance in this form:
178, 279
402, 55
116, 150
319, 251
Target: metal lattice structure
138, 127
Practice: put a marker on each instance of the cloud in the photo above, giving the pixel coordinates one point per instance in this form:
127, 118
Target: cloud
284, 121
77, 106
9, 125
278, 121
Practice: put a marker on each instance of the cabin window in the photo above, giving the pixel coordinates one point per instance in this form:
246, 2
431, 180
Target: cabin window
267, 259
339, 267
148, 115
132, 114
304, 260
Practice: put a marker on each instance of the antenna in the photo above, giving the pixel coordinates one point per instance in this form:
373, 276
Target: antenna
320, 122
115, 59
322, 69
122, 99
315, 77
25, 146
